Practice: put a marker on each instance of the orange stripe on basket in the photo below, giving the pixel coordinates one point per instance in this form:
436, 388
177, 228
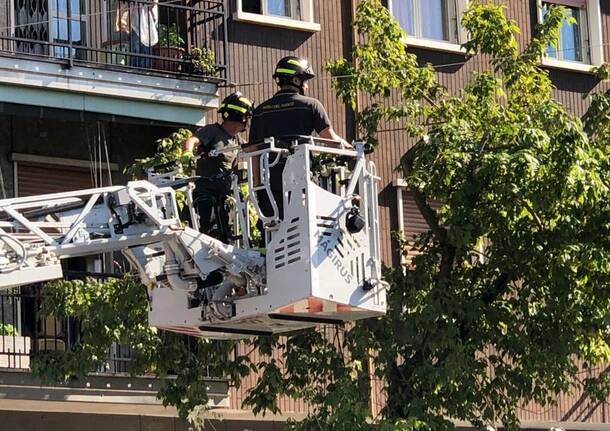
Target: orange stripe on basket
315, 305
343, 307
287, 309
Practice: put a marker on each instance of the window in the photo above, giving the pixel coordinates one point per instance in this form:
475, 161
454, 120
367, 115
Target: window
293, 14
59, 23
573, 38
284, 8
428, 19
31, 25
411, 223
433, 24
67, 26
580, 42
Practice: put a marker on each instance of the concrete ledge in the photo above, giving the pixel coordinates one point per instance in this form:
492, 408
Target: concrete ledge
125, 93
25, 415
79, 421
107, 389
72, 416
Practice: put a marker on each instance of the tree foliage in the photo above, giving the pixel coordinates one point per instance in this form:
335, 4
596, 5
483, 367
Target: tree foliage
509, 293
169, 150
115, 310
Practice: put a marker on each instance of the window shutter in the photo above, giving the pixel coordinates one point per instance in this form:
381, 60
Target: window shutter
413, 223
36, 179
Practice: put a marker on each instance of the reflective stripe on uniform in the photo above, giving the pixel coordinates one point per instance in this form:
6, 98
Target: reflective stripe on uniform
286, 71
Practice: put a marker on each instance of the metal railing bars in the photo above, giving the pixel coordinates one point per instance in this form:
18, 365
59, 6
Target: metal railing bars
142, 35
25, 331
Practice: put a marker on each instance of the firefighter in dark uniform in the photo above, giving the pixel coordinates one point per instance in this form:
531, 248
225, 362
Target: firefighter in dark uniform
289, 112
214, 183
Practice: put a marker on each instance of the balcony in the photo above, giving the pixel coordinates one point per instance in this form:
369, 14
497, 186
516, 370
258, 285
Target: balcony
150, 55
25, 332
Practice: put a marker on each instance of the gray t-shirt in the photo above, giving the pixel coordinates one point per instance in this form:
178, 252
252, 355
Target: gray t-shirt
213, 137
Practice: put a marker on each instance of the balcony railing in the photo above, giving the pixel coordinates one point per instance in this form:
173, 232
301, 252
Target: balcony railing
26, 332
184, 38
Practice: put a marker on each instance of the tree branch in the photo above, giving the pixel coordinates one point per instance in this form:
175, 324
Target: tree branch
431, 218
497, 289
529, 208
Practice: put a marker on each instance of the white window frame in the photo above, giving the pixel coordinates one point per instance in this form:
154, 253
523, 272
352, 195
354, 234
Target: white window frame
594, 30
439, 45
306, 23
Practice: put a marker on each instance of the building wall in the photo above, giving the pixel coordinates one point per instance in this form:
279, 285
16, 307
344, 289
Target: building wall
67, 135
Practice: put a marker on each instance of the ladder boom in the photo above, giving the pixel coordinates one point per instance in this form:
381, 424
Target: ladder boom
37, 232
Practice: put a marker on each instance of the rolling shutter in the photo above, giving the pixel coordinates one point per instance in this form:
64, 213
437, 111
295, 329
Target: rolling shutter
36, 179
413, 223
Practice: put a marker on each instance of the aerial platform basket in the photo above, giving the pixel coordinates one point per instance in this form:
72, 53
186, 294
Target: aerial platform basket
322, 256
322, 259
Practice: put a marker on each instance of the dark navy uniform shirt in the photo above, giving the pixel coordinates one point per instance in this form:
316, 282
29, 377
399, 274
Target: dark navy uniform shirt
288, 113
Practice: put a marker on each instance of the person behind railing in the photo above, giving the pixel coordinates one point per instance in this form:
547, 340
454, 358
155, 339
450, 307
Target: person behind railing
140, 20
289, 112
214, 183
